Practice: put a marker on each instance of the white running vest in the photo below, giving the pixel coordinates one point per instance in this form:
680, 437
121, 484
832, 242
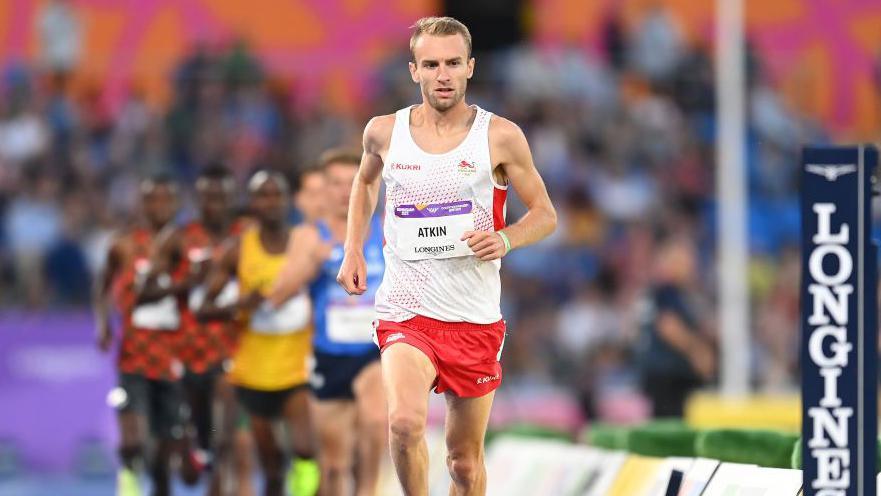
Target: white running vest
431, 200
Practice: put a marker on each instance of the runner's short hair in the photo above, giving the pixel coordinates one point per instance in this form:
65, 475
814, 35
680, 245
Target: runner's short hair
339, 156
297, 178
263, 175
161, 178
216, 172
439, 26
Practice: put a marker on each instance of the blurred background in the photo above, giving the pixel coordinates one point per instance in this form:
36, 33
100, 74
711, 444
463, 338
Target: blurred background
618, 99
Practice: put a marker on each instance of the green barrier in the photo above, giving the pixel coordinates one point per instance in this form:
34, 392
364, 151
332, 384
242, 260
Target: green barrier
662, 439
659, 438
670, 423
796, 456
607, 436
763, 448
531, 431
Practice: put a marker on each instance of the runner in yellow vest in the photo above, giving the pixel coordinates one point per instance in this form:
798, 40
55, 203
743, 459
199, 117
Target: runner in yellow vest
270, 366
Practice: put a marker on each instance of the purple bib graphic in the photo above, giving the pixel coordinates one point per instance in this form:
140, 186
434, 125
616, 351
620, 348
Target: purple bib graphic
433, 210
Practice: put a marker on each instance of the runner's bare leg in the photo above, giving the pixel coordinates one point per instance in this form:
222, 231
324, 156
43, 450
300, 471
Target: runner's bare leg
466, 423
407, 375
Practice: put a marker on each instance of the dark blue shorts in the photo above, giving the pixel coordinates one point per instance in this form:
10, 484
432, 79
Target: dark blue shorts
334, 375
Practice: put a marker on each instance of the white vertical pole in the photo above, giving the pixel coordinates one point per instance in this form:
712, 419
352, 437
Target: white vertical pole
732, 201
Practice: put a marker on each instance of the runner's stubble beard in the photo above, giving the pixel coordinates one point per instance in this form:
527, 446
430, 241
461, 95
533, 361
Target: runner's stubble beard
441, 105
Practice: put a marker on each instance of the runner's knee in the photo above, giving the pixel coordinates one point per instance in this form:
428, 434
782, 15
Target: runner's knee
406, 427
465, 468
336, 468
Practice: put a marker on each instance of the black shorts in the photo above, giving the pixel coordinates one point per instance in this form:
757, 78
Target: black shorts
205, 381
266, 404
334, 375
162, 402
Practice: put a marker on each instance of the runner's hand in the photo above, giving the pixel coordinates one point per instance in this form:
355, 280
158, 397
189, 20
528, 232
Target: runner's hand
486, 245
198, 272
104, 336
353, 273
250, 301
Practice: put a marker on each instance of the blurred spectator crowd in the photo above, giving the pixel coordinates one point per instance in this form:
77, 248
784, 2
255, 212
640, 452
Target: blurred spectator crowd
624, 140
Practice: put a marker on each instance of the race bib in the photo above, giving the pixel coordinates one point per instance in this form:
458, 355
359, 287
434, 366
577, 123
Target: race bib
162, 315
434, 231
292, 316
350, 324
228, 296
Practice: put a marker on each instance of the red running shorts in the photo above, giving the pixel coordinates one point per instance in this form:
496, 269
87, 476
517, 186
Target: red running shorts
465, 356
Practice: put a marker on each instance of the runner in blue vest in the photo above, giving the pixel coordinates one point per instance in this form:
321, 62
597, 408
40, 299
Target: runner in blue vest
350, 409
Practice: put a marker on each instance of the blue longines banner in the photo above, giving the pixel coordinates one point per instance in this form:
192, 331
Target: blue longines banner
839, 350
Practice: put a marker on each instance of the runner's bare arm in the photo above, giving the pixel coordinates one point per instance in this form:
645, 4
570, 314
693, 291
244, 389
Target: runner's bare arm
221, 272
168, 249
510, 150
302, 262
365, 192
101, 294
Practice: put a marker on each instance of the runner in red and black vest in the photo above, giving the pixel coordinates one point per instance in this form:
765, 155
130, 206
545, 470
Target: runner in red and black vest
149, 368
185, 254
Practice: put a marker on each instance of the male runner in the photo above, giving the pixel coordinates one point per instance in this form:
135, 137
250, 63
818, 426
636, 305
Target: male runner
446, 166
269, 366
185, 253
149, 369
349, 413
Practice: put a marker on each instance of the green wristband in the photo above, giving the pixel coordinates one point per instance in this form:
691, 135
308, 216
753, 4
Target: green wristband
505, 240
